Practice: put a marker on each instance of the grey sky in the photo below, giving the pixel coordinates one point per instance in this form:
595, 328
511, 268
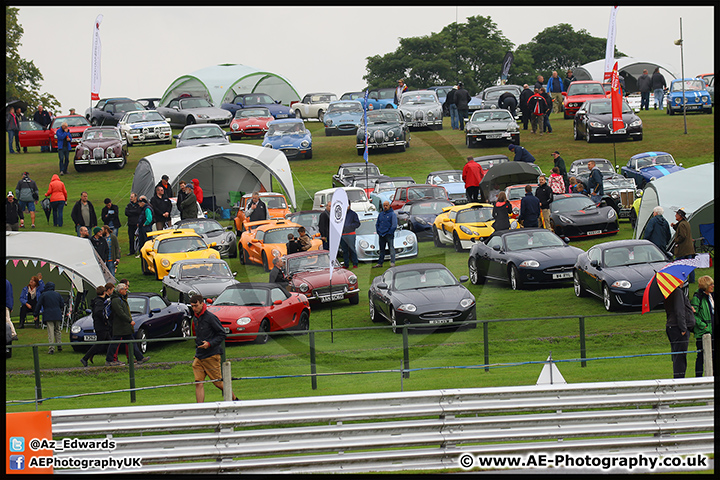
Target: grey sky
316, 48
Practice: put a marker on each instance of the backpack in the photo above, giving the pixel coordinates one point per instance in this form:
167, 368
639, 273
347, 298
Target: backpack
107, 311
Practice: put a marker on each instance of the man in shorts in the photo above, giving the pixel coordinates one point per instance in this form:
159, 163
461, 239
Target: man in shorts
209, 341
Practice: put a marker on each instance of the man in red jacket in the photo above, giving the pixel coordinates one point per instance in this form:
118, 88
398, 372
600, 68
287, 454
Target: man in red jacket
472, 174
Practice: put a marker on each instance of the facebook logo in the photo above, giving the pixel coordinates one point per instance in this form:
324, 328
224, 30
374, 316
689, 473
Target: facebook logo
17, 444
17, 462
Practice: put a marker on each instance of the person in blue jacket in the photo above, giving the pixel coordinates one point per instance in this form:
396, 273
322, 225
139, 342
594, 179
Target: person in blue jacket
657, 229
555, 87
529, 209
385, 227
521, 153
347, 240
64, 139
52, 304
29, 296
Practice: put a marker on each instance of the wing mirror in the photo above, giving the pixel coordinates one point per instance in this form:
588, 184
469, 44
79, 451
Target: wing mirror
595, 264
463, 278
496, 248
382, 286
154, 310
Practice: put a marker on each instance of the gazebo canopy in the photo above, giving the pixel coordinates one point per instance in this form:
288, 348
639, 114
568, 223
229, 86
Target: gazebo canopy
630, 68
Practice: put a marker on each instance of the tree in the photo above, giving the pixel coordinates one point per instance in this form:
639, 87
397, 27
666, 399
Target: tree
22, 77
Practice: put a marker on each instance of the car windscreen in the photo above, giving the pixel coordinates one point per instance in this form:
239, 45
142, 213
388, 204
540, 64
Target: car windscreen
632, 255
571, 204
429, 208
286, 128
274, 202
385, 93
690, 85
655, 160
384, 116
194, 103
105, 134
360, 170
515, 193
145, 117
367, 227
418, 99
210, 131
385, 186
429, 278
450, 177
303, 263
249, 297
256, 100
474, 215
307, 220
181, 245
605, 108
202, 227
253, 112
71, 121
196, 270
585, 89
349, 107
355, 196
531, 239
127, 107
491, 115
416, 193
279, 235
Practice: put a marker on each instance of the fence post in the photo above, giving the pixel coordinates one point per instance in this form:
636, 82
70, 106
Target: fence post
707, 355
227, 381
406, 353
313, 367
131, 364
583, 363
36, 367
486, 346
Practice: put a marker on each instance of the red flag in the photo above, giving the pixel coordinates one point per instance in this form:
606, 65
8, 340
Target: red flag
616, 100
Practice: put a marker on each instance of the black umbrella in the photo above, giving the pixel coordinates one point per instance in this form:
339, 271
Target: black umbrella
15, 104
506, 174
46, 207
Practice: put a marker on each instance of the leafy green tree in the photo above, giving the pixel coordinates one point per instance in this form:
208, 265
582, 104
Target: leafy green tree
22, 77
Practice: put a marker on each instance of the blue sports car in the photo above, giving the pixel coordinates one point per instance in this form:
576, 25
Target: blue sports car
343, 117
367, 241
418, 216
453, 183
697, 96
244, 100
648, 166
290, 137
384, 97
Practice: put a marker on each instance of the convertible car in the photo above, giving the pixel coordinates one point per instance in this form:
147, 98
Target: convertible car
525, 256
250, 122
310, 219
188, 110
648, 166
165, 247
211, 231
258, 308
418, 192
101, 146
202, 134
313, 105
204, 276
574, 215
593, 121
384, 189
309, 273
290, 137
347, 172
421, 108
245, 100
618, 272
154, 317
426, 295
463, 225
418, 216
343, 117
262, 241
453, 183
367, 242
579, 169
385, 129
486, 126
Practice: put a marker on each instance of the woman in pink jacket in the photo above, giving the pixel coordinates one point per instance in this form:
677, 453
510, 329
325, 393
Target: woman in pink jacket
58, 199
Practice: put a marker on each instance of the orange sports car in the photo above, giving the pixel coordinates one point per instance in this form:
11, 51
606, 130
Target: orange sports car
277, 207
261, 241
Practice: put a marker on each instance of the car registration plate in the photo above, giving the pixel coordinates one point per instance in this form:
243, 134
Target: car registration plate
491, 136
559, 276
98, 162
619, 131
332, 298
441, 320
417, 124
90, 338
594, 232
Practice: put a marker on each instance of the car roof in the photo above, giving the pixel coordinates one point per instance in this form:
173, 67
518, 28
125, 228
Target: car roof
587, 81
357, 164
287, 120
345, 101
103, 127
308, 253
648, 154
417, 266
444, 171
623, 243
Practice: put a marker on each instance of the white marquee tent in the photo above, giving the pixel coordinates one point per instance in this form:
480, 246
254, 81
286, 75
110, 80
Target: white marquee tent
630, 68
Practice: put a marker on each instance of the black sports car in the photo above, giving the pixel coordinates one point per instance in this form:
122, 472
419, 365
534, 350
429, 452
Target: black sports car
574, 215
205, 276
420, 293
154, 317
418, 216
594, 121
212, 231
349, 171
522, 257
618, 271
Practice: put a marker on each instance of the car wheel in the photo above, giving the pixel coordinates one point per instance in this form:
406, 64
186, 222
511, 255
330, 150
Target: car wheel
79, 168
328, 132
577, 286
456, 243
515, 280
303, 322
469, 143
389, 106
121, 165
142, 335
401, 148
475, 277
298, 114
436, 237
361, 151
576, 133
670, 111
264, 328
588, 137
637, 138
321, 115
265, 262
393, 321
308, 155
609, 300
374, 314
144, 266
354, 298
94, 122
185, 330
190, 120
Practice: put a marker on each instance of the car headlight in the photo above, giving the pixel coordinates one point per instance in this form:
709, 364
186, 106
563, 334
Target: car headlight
407, 307
165, 262
214, 255
364, 244
516, 211
530, 264
422, 221
75, 329
677, 100
352, 279
565, 219
467, 231
304, 144
328, 123
276, 253
234, 126
410, 239
304, 287
597, 124
371, 208
615, 195
467, 302
202, 115
611, 214
636, 123
243, 320
135, 130
85, 154
622, 284
512, 128
705, 99
391, 133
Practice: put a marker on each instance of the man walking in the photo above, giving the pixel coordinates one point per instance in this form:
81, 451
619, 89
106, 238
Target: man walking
385, 227
644, 83
684, 244
28, 195
462, 99
555, 87
595, 182
658, 86
51, 303
122, 327
12, 125
472, 175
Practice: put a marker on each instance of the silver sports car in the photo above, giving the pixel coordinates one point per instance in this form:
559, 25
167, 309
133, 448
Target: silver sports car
367, 241
204, 276
186, 111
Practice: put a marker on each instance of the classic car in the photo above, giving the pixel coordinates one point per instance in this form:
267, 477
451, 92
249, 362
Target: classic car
421, 108
648, 166
367, 183
32, 134
697, 97
425, 295
384, 189
165, 247
150, 103
415, 192
709, 79
579, 169
145, 126
309, 273
618, 271
250, 122
418, 216
385, 97
348, 171
367, 242
101, 146
594, 121
623, 192
189, 110
488, 98
524, 256
343, 117
260, 308
310, 219
385, 129
290, 137
579, 92
276, 204
515, 194
486, 126
264, 240
372, 103
197, 276
489, 161
212, 232
453, 183
574, 215
154, 317
313, 105
356, 196
245, 100
463, 225
201, 134
442, 92
108, 111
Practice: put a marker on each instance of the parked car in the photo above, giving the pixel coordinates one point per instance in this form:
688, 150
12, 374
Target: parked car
579, 169
77, 124
426, 295
489, 161
309, 273
356, 196
154, 317
385, 97
463, 225
212, 231
290, 137
150, 103
367, 183
453, 183
421, 108
372, 103
523, 256
367, 241
197, 276
515, 194
99, 111
579, 92
101, 146
165, 247
175, 213
418, 216
709, 79
343, 117
31, 133
276, 204
113, 111
442, 92
416, 192
264, 240
384, 189
310, 219
145, 126
260, 308
486, 126
313, 105
623, 193
488, 99
202, 134
574, 215
594, 120
697, 98
648, 166
348, 171
245, 100
183, 111
618, 272
385, 129
250, 122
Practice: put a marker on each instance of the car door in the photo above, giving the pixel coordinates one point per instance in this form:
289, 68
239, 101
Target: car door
384, 296
447, 226
31, 134
496, 258
590, 272
281, 311
161, 317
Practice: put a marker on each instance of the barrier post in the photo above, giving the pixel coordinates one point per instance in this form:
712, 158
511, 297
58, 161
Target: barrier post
583, 352
36, 367
486, 346
707, 355
227, 381
406, 353
313, 368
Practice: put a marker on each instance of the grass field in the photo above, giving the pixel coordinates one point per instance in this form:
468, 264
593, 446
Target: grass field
379, 348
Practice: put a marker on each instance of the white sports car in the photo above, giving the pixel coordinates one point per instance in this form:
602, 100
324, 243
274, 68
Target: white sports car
145, 126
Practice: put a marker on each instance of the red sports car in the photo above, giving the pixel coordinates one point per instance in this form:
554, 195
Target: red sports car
411, 193
259, 308
77, 124
309, 273
250, 122
578, 92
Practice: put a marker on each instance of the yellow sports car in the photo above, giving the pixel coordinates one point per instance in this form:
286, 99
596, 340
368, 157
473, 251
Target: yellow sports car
463, 225
166, 247
261, 241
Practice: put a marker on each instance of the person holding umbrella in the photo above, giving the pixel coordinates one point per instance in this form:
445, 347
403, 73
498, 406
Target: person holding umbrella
58, 200
680, 320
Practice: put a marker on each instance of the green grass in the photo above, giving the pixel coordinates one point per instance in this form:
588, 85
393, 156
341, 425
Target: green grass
376, 349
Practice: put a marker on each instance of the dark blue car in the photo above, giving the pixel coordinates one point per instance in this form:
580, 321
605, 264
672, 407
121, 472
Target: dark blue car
648, 166
244, 100
418, 216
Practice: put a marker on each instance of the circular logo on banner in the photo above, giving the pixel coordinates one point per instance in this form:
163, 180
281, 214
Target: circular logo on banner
338, 212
